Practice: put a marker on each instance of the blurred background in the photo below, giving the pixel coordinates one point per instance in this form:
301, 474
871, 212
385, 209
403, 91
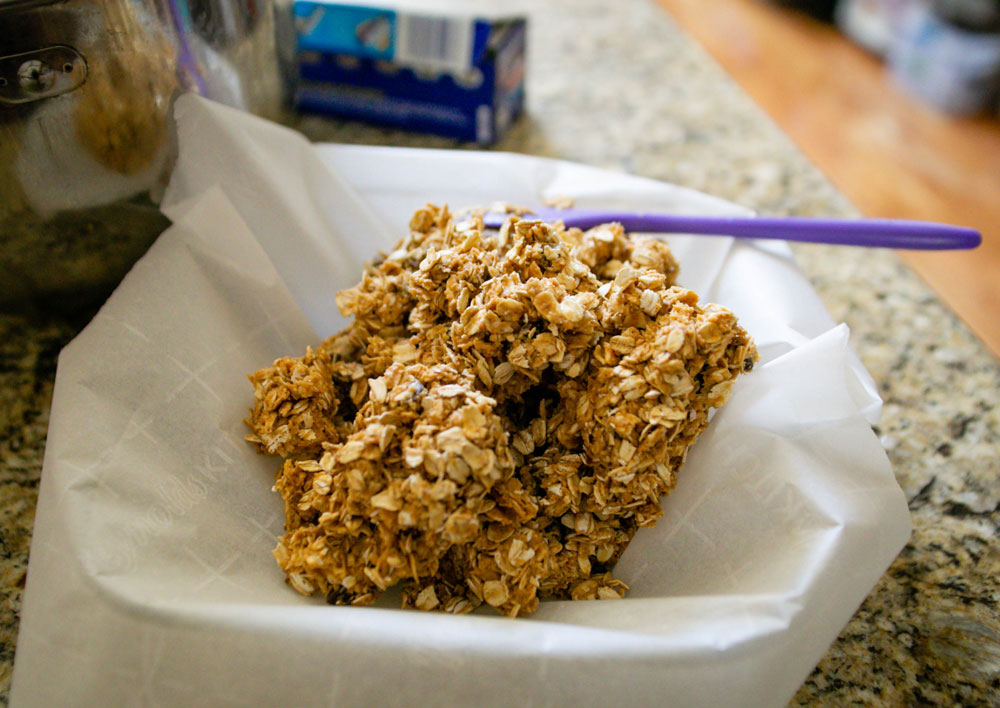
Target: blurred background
897, 101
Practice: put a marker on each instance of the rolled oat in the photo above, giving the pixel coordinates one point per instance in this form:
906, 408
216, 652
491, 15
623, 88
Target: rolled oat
506, 409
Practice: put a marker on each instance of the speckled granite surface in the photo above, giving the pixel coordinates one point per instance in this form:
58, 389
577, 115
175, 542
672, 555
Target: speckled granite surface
617, 85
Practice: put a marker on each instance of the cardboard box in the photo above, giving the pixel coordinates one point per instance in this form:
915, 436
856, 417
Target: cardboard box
437, 71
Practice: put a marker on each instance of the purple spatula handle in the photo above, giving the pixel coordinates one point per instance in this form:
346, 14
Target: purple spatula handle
882, 233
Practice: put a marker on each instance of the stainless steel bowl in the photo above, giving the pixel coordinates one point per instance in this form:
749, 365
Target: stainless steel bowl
86, 147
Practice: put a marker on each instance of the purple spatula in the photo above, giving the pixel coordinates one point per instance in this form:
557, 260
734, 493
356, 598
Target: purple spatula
882, 233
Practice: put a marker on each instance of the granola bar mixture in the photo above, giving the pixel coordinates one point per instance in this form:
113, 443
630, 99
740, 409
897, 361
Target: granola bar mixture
507, 408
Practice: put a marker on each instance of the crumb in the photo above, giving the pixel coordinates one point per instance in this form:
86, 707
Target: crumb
559, 201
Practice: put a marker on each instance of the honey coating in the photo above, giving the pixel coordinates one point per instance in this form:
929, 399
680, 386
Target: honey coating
506, 410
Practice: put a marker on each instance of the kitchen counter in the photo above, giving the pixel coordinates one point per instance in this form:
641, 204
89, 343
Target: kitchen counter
617, 85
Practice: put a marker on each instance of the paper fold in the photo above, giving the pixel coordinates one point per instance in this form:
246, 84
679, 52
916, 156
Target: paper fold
151, 581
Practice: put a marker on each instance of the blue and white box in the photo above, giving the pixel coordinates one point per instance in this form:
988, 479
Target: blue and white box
444, 71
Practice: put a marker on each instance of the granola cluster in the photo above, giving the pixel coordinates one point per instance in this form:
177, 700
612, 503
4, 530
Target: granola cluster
506, 410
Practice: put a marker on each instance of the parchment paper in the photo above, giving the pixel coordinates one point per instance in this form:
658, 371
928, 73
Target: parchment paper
151, 580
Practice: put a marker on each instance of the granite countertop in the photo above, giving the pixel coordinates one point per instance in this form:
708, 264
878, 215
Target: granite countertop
619, 86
